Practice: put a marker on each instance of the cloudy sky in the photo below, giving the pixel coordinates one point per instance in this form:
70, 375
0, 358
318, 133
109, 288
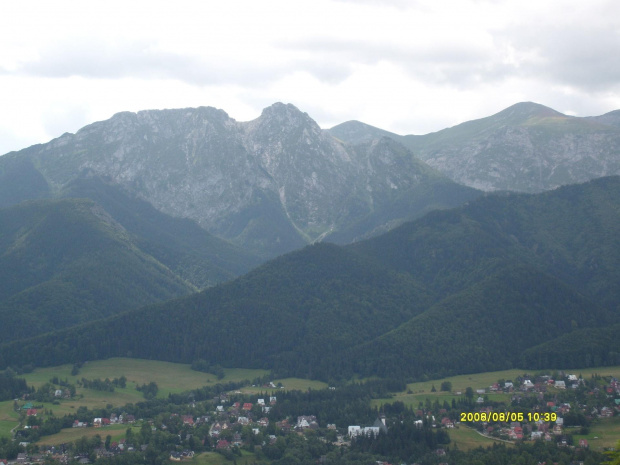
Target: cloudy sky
411, 67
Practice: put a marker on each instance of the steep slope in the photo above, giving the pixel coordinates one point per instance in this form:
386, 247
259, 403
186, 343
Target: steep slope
270, 185
384, 205
527, 147
20, 180
485, 327
569, 233
180, 244
456, 291
65, 262
290, 314
596, 347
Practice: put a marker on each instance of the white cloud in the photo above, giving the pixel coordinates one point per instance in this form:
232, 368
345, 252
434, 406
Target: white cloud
406, 66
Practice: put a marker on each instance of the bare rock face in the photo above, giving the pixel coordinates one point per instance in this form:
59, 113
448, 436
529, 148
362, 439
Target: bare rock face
269, 185
527, 148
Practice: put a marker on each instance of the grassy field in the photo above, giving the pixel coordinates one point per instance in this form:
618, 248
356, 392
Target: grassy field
467, 439
71, 434
287, 384
6, 427
170, 377
213, 458
9, 419
605, 432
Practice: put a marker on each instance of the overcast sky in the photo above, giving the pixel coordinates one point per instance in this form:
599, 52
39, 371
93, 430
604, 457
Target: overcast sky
411, 67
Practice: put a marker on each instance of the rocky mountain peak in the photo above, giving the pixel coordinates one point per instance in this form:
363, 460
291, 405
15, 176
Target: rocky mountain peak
279, 109
269, 185
282, 117
283, 137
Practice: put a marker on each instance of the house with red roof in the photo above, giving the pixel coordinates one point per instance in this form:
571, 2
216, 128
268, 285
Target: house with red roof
222, 444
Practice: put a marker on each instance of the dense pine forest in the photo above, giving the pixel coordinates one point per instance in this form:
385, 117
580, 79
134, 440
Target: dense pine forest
471, 289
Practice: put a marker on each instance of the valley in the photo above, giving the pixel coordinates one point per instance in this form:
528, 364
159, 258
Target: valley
176, 285
423, 400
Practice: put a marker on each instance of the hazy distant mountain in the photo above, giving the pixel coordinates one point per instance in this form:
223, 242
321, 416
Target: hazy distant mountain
526, 147
612, 118
461, 290
269, 185
356, 132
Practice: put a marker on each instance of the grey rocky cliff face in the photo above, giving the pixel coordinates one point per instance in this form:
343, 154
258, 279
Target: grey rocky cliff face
266, 183
527, 148
513, 159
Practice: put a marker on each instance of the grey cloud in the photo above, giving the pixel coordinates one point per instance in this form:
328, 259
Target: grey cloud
400, 4
68, 118
581, 56
105, 61
458, 65
100, 60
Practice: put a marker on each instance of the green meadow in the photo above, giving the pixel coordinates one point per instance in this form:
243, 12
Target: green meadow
290, 384
466, 438
169, 377
604, 433
117, 432
213, 458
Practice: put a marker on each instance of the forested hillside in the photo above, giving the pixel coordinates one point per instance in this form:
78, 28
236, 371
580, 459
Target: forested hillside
290, 313
67, 261
179, 243
457, 291
570, 233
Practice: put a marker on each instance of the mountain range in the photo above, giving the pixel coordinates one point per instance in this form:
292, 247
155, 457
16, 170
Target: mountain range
525, 148
269, 186
142, 236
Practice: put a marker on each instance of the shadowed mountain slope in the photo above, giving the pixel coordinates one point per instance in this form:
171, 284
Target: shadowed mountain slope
456, 291
64, 262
